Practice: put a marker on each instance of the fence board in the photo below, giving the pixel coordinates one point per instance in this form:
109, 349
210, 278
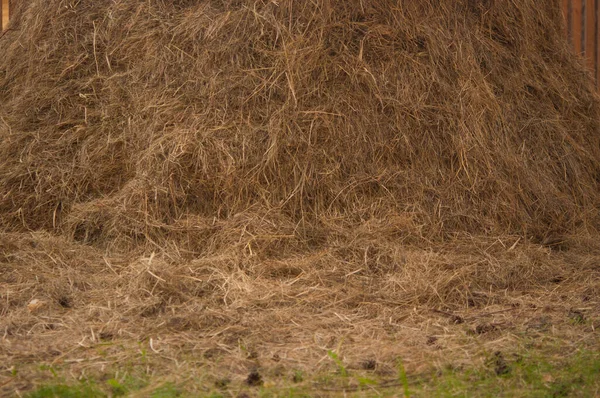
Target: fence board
577, 23
567, 12
582, 25
4, 15
590, 34
597, 34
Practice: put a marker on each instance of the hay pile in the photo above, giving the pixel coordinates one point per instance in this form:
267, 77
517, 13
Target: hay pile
271, 155
133, 122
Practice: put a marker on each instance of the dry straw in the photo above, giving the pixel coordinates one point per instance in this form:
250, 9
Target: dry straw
132, 123
277, 155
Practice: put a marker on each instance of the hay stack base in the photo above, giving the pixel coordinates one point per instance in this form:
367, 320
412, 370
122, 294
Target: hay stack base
248, 184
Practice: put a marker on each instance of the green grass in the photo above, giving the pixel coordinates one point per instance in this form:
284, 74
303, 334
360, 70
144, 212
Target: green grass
525, 375
112, 388
169, 390
529, 376
67, 391
336, 359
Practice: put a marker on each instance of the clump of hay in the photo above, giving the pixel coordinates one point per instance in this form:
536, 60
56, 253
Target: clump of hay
127, 124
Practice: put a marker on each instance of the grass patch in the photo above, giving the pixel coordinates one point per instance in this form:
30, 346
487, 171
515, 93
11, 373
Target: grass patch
335, 358
507, 375
531, 376
80, 390
168, 390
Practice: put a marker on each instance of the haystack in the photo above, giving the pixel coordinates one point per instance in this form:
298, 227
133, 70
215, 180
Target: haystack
283, 173
132, 122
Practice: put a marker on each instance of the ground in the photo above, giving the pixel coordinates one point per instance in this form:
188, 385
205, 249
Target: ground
469, 317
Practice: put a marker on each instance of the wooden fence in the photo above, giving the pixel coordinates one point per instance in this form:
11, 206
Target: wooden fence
582, 19
4, 15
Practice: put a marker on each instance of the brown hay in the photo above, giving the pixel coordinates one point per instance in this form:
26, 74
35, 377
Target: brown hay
126, 123
290, 176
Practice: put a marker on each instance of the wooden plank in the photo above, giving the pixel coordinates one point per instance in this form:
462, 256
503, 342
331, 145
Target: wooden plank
597, 50
565, 6
566, 9
577, 38
590, 34
5, 14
